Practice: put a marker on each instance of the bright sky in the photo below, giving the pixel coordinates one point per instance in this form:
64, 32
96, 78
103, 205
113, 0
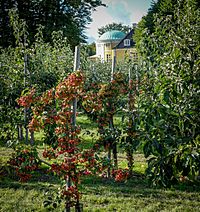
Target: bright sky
118, 11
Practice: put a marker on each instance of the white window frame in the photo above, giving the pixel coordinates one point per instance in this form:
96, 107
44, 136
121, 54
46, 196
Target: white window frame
127, 42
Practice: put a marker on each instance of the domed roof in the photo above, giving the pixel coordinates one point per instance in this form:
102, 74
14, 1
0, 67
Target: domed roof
112, 36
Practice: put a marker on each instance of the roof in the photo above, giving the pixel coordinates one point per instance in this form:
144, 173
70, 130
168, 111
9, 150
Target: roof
129, 35
113, 35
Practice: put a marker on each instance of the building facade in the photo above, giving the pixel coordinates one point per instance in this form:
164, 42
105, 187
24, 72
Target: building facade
116, 44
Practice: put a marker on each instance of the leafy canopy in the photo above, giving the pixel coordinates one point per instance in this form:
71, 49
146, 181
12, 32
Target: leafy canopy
113, 26
168, 42
69, 16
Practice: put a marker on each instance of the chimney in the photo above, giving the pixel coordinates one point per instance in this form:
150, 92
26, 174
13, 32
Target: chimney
134, 25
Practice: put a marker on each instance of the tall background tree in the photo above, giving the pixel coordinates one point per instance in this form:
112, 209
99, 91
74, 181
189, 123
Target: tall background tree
91, 49
69, 16
114, 26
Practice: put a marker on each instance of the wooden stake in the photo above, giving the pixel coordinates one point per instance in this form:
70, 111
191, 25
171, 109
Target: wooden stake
73, 119
129, 151
32, 138
113, 145
76, 67
113, 64
20, 132
25, 109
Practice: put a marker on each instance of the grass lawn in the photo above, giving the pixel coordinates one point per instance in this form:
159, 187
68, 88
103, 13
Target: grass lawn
98, 194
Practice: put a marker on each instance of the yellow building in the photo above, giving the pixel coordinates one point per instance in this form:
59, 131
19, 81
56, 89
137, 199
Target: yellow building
115, 43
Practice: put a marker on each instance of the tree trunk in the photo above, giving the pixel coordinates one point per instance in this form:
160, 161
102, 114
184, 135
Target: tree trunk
32, 139
109, 158
114, 145
20, 133
129, 155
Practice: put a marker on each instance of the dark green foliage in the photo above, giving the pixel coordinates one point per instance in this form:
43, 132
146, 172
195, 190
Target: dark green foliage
47, 64
168, 40
69, 16
91, 49
113, 26
11, 81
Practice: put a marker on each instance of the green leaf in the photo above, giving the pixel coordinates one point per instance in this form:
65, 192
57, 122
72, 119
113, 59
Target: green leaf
55, 205
46, 203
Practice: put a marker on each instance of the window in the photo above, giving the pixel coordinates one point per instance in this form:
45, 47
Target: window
127, 42
134, 55
108, 57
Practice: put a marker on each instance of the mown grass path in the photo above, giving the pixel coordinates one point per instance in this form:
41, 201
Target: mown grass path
98, 194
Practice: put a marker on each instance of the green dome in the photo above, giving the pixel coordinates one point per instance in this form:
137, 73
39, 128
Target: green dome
112, 35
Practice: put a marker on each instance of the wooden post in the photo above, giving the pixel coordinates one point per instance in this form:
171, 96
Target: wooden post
113, 64
113, 144
67, 205
79, 207
76, 67
32, 138
129, 151
129, 95
20, 132
25, 109
137, 77
73, 119
109, 158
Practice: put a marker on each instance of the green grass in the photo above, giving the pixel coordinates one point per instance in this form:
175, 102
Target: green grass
88, 131
98, 194
135, 195
103, 195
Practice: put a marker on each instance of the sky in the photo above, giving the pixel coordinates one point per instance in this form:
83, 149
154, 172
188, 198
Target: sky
118, 11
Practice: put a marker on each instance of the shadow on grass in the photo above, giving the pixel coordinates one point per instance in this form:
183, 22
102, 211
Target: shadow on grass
40, 180
99, 194
136, 186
